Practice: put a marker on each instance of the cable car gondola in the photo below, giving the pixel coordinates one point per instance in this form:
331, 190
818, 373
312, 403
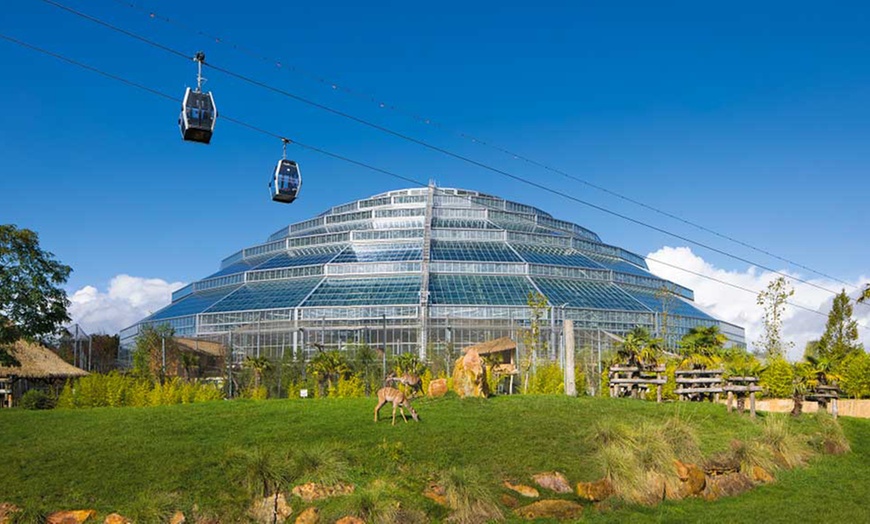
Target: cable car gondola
287, 179
198, 111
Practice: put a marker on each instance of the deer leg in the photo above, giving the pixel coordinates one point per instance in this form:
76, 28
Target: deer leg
394, 414
377, 409
402, 411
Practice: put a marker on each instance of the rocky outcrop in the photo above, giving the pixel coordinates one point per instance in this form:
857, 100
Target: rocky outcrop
469, 376
553, 480
595, 491
437, 388
760, 474
310, 491
309, 516
692, 477
550, 509
526, 491
727, 485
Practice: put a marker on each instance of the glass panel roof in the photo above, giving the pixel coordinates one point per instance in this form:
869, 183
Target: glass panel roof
477, 251
620, 265
193, 304
478, 289
240, 267
554, 256
297, 259
462, 223
367, 291
390, 254
267, 295
675, 305
592, 295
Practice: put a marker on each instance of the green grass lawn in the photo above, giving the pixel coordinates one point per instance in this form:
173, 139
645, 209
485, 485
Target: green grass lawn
132, 460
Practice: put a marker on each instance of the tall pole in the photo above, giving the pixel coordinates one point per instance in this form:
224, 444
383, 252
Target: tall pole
163, 349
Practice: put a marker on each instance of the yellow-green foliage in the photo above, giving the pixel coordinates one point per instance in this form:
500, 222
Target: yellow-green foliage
854, 372
351, 387
671, 385
547, 380
256, 393
425, 379
116, 390
789, 448
778, 379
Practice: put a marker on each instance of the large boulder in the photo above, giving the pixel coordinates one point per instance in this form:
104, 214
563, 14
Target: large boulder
550, 509
70, 517
727, 485
437, 388
469, 376
271, 509
692, 477
552, 480
526, 491
595, 491
760, 474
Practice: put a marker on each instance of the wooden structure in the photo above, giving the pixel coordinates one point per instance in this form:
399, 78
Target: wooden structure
501, 354
39, 367
699, 384
210, 358
824, 394
633, 381
741, 387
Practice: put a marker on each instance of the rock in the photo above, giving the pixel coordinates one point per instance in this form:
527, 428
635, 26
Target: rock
595, 491
309, 516
350, 520
436, 493
115, 518
310, 491
509, 501
760, 474
727, 485
693, 478
178, 518
270, 509
550, 509
553, 480
6, 511
70, 517
469, 376
526, 491
437, 388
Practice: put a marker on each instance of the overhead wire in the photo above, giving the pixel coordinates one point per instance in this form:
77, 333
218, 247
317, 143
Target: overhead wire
336, 86
325, 152
438, 149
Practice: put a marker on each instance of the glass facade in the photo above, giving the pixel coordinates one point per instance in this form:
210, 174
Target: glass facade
422, 270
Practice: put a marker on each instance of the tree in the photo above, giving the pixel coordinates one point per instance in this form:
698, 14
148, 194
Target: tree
152, 344
865, 295
259, 366
773, 300
532, 341
841, 331
32, 303
327, 367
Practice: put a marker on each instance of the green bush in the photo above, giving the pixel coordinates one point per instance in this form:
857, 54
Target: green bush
778, 379
854, 374
547, 380
118, 390
353, 386
36, 399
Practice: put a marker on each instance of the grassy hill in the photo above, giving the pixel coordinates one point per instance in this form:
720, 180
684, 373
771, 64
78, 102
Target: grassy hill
143, 462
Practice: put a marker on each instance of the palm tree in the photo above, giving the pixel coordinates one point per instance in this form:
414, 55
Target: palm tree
744, 365
821, 370
327, 367
188, 361
638, 349
260, 366
704, 343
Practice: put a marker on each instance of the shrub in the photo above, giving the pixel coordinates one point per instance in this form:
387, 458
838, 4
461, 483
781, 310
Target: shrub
778, 379
353, 386
36, 399
469, 496
789, 449
66, 400
855, 375
830, 439
547, 380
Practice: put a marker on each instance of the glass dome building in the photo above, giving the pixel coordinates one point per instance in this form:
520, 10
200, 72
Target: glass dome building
425, 270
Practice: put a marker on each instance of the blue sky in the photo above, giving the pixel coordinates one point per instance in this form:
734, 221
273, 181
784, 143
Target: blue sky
751, 120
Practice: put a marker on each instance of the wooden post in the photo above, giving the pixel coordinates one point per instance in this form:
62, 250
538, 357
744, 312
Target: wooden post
659, 393
570, 380
834, 408
729, 401
751, 403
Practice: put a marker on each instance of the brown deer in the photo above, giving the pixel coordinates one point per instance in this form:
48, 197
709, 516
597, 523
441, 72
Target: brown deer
409, 379
398, 399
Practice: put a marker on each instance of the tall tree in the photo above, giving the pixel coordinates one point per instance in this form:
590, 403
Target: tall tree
841, 331
865, 295
32, 303
773, 301
533, 343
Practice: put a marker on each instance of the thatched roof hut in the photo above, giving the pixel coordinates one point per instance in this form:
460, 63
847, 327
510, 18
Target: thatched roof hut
38, 362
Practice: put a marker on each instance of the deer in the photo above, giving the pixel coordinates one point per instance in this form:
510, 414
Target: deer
409, 379
399, 400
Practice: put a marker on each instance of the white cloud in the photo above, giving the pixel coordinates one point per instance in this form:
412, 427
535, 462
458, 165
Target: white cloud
740, 307
127, 300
